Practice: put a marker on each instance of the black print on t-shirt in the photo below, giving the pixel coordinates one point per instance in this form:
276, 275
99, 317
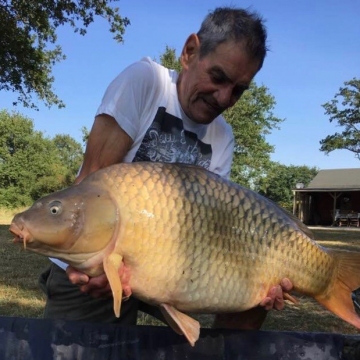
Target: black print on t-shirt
166, 140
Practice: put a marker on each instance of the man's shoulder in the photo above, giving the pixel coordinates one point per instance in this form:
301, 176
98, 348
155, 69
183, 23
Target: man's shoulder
144, 74
160, 69
220, 124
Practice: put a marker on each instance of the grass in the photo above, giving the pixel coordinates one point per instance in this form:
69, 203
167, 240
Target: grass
19, 271
20, 295
7, 214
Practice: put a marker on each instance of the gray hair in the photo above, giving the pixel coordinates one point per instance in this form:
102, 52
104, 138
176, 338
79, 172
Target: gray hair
239, 25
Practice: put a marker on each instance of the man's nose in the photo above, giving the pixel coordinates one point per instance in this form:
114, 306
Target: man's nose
224, 97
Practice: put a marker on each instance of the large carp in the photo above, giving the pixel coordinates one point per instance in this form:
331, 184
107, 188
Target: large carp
187, 240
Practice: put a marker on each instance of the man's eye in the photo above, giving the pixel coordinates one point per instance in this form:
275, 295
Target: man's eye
216, 79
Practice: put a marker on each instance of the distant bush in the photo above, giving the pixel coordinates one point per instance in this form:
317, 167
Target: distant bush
32, 165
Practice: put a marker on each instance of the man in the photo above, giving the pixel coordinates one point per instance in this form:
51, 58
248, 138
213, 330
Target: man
150, 113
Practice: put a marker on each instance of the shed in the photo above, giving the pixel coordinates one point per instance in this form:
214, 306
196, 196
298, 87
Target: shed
332, 195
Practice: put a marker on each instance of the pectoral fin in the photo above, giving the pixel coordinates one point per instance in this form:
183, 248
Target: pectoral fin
112, 265
181, 323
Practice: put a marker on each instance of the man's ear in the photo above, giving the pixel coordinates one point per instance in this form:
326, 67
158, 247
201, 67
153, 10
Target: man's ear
190, 50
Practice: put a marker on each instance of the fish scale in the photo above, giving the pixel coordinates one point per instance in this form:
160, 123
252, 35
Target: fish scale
190, 240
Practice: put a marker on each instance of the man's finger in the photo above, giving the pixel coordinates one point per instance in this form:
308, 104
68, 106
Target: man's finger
97, 285
279, 303
293, 299
286, 284
76, 277
99, 281
267, 303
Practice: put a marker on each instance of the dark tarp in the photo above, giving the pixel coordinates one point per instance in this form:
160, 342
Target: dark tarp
35, 339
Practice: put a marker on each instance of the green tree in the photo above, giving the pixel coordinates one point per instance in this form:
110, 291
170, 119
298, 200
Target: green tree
280, 180
251, 120
85, 135
28, 42
70, 154
170, 60
32, 165
344, 109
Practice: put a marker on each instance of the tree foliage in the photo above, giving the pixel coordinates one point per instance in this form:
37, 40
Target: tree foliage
70, 154
85, 135
28, 42
280, 180
344, 109
32, 165
170, 60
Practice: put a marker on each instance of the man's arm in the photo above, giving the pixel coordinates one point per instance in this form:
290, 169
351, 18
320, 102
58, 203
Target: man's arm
108, 144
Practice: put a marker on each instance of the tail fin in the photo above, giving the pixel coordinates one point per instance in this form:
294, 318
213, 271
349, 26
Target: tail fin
346, 279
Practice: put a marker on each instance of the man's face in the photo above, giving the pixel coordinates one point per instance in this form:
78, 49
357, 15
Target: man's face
210, 85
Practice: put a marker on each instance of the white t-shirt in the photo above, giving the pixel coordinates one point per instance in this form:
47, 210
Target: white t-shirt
143, 100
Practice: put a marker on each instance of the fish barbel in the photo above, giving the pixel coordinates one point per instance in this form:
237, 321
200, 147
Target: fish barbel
189, 240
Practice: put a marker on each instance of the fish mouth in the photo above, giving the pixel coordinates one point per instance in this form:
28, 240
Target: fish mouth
22, 235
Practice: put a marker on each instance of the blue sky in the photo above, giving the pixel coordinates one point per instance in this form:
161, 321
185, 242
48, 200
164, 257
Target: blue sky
314, 49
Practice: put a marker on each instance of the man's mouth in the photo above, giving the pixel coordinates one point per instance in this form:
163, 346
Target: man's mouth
213, 106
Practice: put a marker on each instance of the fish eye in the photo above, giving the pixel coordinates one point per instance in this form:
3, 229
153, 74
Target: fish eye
55, 207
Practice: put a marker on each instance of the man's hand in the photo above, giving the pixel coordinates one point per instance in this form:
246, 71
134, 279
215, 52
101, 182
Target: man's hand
97, 286
277, 295
253, 319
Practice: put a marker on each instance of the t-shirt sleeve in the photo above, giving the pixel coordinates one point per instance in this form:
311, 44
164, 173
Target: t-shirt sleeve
128, 95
